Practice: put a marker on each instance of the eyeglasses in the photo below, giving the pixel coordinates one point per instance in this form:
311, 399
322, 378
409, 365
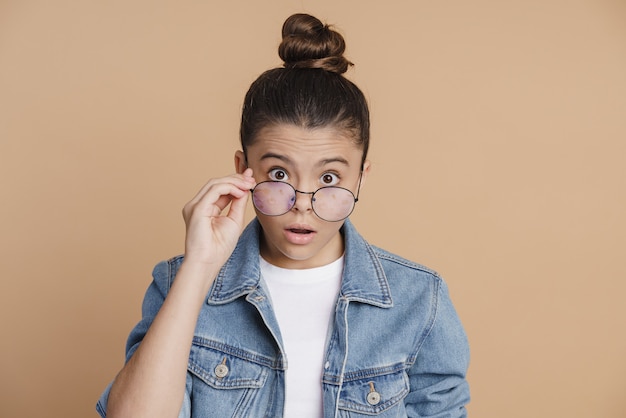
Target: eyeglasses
329, 203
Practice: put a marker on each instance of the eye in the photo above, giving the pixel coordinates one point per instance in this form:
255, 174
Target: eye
278, 174
329, 179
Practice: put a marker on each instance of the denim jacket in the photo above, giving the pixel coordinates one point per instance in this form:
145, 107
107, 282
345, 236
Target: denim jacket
395, 347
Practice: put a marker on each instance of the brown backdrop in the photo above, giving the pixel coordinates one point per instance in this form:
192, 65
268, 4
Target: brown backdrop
498, 153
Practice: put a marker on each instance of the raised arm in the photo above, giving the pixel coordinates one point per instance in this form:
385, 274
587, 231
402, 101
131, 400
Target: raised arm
152, 383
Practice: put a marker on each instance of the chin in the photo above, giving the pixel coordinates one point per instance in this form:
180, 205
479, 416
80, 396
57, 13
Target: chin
298, 254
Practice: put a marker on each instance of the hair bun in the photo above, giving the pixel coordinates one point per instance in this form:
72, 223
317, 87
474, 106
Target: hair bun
308, 43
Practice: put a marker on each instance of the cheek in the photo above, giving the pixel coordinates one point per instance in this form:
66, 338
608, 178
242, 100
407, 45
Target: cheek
269, 224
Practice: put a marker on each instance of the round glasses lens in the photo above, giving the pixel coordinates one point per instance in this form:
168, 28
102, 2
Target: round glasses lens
333, 203
273, 198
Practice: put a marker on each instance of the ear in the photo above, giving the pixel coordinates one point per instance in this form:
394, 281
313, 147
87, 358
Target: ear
240, 162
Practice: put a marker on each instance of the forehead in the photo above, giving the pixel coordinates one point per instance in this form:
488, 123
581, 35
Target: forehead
301, 144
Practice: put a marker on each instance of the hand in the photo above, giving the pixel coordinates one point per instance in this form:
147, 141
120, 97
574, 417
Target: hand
212, 236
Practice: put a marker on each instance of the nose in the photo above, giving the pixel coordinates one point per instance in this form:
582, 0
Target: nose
303, 201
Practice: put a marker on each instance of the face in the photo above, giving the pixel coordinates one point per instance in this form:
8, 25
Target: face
307, 159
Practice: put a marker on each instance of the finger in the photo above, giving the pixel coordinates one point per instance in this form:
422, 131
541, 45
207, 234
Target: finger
216, 199
247, 172
224, 200
237, 209
239, 200
244, 182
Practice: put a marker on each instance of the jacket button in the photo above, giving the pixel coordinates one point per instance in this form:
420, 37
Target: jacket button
373, 398
221, 370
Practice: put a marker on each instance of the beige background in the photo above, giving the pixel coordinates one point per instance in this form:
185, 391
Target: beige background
499, 132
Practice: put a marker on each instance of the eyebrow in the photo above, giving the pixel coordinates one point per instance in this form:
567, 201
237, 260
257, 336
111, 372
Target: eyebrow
288, 160
283, 158
335, 160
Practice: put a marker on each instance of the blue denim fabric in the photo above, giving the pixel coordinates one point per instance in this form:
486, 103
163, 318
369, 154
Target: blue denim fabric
395, 333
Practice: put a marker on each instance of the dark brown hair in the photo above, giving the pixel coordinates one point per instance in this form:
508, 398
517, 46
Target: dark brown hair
309, 90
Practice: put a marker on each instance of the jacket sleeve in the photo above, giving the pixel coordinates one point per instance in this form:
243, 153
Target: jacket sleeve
439, 388
163, 276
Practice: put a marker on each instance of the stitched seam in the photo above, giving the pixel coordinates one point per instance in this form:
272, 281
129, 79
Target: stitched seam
241, 383
403, 261
239, 353
431, 321
374, 372
380, 273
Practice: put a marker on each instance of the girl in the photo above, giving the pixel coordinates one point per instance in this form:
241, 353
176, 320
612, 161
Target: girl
297, 316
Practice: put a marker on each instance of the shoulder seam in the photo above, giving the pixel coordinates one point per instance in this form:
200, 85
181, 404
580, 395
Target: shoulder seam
385, 255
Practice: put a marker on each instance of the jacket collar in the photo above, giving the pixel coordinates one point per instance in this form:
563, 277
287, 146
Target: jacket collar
363, 276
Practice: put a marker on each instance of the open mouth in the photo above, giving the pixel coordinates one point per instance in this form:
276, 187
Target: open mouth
299, 234
300, 231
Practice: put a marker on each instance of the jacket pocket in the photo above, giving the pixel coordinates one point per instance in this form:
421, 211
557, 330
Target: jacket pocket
225, 371
375, 394
225, 384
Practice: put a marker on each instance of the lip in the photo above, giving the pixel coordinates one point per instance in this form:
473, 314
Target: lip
299, 238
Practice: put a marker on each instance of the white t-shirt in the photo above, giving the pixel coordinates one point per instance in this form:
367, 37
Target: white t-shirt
304, 302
